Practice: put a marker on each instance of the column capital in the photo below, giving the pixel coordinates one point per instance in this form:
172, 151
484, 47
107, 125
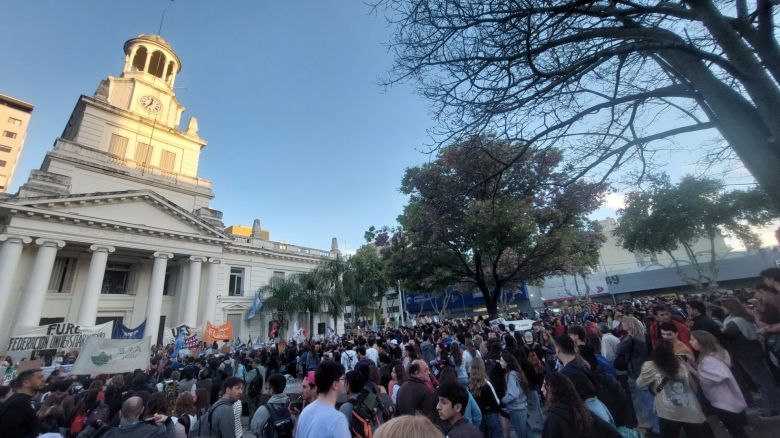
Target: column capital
199, 259
15, 238
49, 242
102, 248
214, 261
162, 255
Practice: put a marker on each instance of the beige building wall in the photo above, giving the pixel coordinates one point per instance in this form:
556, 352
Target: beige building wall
14, 118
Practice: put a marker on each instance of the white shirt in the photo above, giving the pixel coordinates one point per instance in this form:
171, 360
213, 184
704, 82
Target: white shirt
609, 343
373, 354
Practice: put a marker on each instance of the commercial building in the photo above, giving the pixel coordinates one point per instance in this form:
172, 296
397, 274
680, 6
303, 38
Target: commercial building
14, 118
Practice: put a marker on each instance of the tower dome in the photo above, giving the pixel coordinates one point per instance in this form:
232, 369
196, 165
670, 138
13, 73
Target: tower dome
151, 55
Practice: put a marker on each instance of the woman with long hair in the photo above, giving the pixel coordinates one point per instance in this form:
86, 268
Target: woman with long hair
718, 383
515, 401
456, 359
676, 402
739, 331
567, 416
487, 399
398, 375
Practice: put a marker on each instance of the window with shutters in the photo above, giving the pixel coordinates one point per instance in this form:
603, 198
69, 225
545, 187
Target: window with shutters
9, 134
118, 146
167, 160
5, 148
143, 153
62, 275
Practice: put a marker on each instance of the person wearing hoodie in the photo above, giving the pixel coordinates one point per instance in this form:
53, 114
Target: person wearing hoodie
718, 383
567, 416
278, 400
515, 400
223, 423
739, 332
428, 350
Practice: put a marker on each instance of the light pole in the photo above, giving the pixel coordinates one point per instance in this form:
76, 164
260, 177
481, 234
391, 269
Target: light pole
401, 307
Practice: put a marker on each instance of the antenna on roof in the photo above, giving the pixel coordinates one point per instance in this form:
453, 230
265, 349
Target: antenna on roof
162, 20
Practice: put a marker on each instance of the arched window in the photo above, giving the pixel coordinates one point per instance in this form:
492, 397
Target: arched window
157, 64
139, 61
169, 73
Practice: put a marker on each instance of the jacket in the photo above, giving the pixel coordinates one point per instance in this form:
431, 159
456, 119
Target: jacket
262, 415
739, 346
428, 352
677, 401
223, 421
703, 322
414, 396
515, 398
718, 384
636, 352
17, 417
461, 429
138, 429
559, 424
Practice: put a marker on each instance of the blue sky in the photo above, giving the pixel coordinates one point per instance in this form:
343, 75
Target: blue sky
285, 91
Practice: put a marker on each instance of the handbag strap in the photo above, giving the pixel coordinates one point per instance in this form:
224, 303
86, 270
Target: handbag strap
661, 385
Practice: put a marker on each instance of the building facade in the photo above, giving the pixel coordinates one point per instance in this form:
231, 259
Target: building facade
14, 119
117, 225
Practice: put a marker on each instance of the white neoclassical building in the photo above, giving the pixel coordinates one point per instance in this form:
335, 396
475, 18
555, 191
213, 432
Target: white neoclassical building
116, 224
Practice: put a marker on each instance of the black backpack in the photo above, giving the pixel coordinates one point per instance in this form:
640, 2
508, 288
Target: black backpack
255, 386
227, 370
365, 414
280, 422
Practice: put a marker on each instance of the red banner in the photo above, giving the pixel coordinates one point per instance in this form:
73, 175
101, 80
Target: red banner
218, 332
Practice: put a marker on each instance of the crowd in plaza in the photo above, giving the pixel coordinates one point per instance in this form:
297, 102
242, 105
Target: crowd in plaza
652, 366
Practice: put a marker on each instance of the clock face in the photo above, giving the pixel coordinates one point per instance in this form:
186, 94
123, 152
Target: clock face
150, 104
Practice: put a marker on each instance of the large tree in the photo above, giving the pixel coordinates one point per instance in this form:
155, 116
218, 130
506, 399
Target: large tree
336, 299
312, 294
280, 294
603, 80
667, 217
367, 280
463, 226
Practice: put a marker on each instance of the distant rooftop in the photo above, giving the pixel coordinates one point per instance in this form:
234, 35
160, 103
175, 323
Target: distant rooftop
13, 102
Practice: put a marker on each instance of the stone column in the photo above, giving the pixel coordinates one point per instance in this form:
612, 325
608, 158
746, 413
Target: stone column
154, 300
31, 303
190, 303
210, 297
91, 298
10, 253
148, 60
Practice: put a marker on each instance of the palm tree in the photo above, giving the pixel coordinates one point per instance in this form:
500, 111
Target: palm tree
312, 290
282, 295
336, 299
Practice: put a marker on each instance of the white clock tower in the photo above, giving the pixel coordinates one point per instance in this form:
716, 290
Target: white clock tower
128, 136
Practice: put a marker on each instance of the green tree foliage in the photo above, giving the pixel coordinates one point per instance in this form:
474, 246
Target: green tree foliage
335, 299
667, 217
365, 280
594, 78
462, 225
312, 292
280, 295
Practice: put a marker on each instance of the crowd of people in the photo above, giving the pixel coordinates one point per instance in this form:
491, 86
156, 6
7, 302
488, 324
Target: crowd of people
653, 366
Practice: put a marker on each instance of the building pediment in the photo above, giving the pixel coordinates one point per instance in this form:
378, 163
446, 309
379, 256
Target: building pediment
136, 209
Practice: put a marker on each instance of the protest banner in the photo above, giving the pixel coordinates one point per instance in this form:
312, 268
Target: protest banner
111, 356
58, 336
218, 332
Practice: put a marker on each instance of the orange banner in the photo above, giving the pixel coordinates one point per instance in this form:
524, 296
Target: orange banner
218, 332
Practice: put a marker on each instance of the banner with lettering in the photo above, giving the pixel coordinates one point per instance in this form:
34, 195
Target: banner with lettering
123, 332
218, 332
58, 336
111, 356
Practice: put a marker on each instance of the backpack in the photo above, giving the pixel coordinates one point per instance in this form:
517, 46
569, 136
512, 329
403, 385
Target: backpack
227, 371
365, 410
609, 391
184, 420
280, 422
202, 426
255, 386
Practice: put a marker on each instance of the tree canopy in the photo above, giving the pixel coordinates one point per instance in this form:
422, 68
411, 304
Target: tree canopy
667, 216
462, 226
604, 81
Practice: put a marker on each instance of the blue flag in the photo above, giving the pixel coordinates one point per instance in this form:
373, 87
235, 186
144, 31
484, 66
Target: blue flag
257, 304
122, 332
